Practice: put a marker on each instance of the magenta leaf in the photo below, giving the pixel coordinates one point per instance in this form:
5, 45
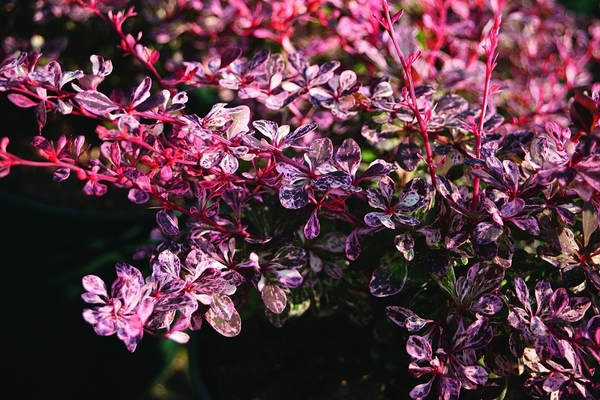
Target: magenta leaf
348, 156
274, 298
141, 92
21, 100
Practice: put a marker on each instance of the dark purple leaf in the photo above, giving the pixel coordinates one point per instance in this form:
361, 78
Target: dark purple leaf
493, 122
488, 304
95, 102
408, 154
434, 261
450, 104
388, 280
559, 301
229, 56
476, 336
512, 208
321, 151
527, 223
258, 59
274, 298
487, 232
406, 219
522, 292
554, 381
300, 131
292, 196
151, 102
353, 248
376, 219
298, 62
377, 169
332, 180
40, 115
167, 224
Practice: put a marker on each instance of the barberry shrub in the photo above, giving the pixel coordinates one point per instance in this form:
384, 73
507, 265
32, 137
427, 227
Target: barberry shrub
440, 154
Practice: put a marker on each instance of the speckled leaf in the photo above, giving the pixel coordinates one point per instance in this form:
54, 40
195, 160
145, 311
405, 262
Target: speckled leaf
388, 280
589, 219
292, 196
348, 156
418, 348
226, 327
476, 374
408, 154
487, 232
313, 226
353, 248
274, 298
405, 318
166, 223
95, 102
488, 304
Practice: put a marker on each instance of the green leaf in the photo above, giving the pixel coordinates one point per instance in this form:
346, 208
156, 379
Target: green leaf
448, 282
589, 221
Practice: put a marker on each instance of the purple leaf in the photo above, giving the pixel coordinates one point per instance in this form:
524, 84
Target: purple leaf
476, 336
40, 115
312, 227
421, 391
415, 195
405, 245
512, 208
559, 301
61, 174
476, 374
348, 156
488, 304
137, 196
292, 196
95, 102
418, 348
321, 151
223, 307
300, 131
274, 298
522, 292
95, 285
487, 232
554, 381
576, 309
408, 154
167, 224
289, 278
527, 223
377, 169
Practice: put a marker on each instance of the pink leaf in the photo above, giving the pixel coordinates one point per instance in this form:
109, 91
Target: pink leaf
21, 101
274, 298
